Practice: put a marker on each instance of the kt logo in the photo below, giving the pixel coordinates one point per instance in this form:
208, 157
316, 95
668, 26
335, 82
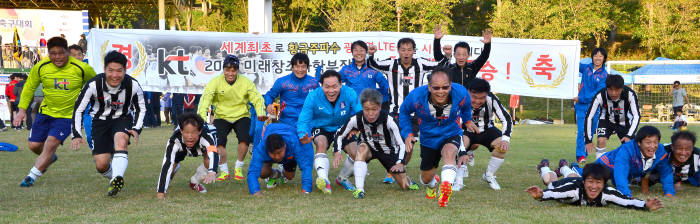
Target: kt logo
62, 85
164, 62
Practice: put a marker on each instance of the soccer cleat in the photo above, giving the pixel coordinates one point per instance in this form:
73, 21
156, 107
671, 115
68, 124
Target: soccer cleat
223, 176
198, 187
543, 163
388, 179
345, 183
273, 182
27, 182
238, 174
562, 163
430, 193
413, 185
491, 180
323, 185
115, 186
358, 194
581, 160
445, 193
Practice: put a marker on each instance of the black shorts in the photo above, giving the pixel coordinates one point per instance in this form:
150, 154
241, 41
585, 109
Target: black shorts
387, 160
606, 129
484, 138
677, 109
241, 127
330, 136
103, 132
414, 123
430, 158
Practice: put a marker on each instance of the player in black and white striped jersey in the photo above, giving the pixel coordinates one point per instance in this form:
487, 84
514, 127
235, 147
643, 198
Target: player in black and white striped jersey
591, 190
380, 139
192, 137
619, 113
113, 95
485, 107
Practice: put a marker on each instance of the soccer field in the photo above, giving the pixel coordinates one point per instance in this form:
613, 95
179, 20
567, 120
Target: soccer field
72, 191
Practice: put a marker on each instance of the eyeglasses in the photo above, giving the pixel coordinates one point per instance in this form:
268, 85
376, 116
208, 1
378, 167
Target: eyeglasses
436, 88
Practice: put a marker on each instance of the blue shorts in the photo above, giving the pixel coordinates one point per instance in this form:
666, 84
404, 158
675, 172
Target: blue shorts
45, 126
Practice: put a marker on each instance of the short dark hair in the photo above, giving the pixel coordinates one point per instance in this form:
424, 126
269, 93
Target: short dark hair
406, 40
645, 132
57, 42
683, 135
602, 51
436, 71
191, 119
116, 57
463, 44
358, 43
273, 143
479, 86
371, 95
328, 74
676, 82
299, 58
614, 81
76, 47
596, 171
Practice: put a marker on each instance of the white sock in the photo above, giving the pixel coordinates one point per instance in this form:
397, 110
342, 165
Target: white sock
550, 186
460, 175
431, 184
566, 171
119, 162
494, 164
348, 168
360, 168
599, 152
321, 164
108, 173
449, 172
223, 167
239, 164
34, 173
199, 174
544, 172
465, 170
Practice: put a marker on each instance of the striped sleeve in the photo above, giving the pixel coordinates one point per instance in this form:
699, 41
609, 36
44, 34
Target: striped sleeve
634, 110
82, 102
427, 66
565, 193
343, 133
207, 142
502, 115
380, 65
613, 196
166, 171
394, 128
590, 115
139, 105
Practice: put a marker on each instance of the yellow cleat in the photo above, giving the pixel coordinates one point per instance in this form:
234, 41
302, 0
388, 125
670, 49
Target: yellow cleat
445, 193
238, 174
430, 193
223, 176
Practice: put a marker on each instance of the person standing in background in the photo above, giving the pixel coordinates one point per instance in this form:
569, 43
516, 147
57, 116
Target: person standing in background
678, 94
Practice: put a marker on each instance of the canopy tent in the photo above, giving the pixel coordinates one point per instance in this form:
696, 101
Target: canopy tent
666, 73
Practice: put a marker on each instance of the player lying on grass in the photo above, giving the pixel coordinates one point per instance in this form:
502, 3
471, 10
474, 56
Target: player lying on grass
114, 96
379, 139
685, 161
637, 159
590, 190
280, 144
190, 138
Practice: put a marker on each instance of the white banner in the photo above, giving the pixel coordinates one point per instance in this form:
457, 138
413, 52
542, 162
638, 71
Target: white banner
184, 61
33, 23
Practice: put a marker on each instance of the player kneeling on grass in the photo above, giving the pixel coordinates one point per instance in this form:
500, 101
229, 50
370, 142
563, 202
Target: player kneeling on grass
638, 158
379, 139
437, 106
113, 95
484, 106
191, 138
280, 144
685, 161
591, 190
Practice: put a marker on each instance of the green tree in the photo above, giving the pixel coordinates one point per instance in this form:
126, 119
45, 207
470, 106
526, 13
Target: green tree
670, 28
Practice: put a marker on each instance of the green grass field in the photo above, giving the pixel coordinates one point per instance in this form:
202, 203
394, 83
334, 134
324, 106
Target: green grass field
72, 191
